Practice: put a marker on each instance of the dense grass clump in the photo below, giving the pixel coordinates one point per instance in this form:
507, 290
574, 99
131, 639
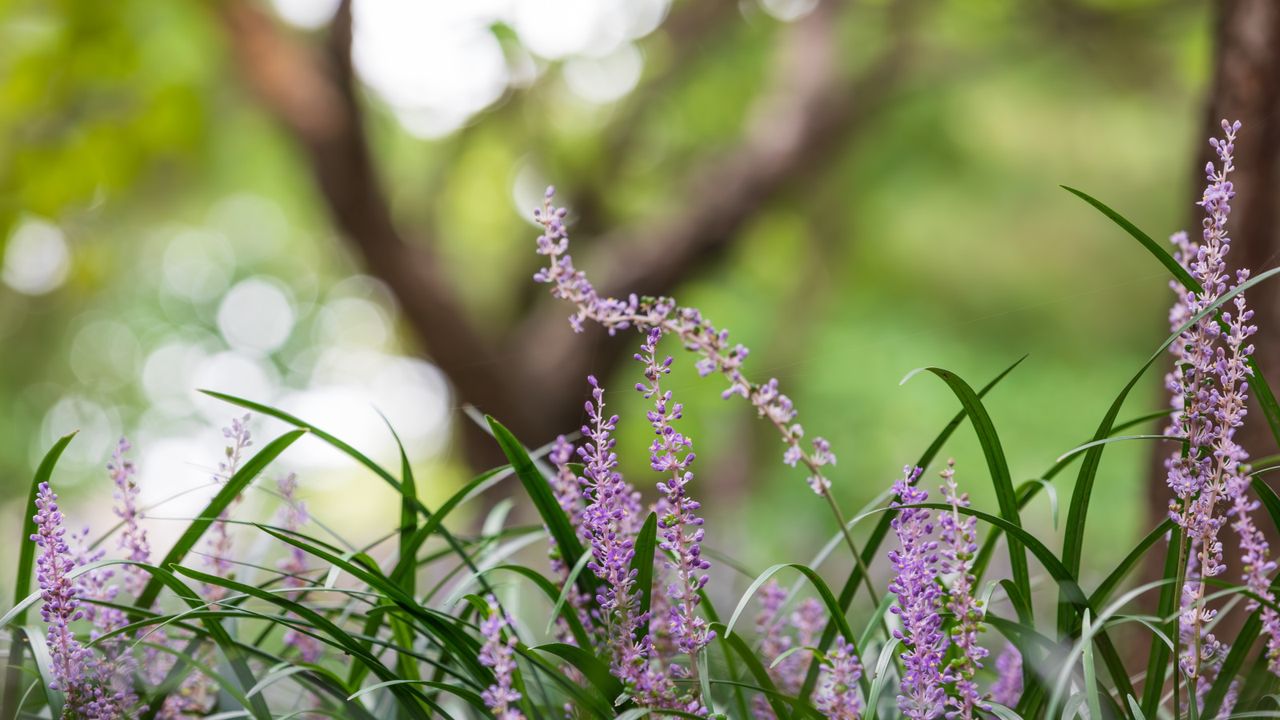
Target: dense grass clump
618, 617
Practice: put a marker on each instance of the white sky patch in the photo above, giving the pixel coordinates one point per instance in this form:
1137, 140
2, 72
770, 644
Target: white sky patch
256, 316
36, 258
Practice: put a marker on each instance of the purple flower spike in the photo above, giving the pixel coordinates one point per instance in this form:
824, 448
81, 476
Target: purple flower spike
133, 538
696, 333
292, 515
90, 683
919, 605
61, 606
681, 528
837, 696
610, 522
1007, 689
498, 654
218, 553
958, 549
1210, 384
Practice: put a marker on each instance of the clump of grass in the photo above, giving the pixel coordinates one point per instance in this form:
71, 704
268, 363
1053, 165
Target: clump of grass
618, 617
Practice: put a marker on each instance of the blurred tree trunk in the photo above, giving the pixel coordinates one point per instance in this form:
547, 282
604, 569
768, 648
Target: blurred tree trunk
1245, 87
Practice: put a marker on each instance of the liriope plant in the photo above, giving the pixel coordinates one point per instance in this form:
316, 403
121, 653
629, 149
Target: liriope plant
428, 622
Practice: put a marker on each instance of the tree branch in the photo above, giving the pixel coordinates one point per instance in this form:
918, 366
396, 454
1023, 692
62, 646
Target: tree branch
313, 96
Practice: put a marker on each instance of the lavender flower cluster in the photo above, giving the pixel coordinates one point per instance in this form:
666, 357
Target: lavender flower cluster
694, 331
1209, 385
933, 575
98, 681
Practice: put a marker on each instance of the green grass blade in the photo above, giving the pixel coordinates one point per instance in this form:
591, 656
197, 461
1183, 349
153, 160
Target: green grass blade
22, 581
997, 465
872, 547
352, 647
834, 611
234, 656
44, 666
1064, 579
1091, 691
1073, 540
350, 452
646, 546
1232, 664
539, 491
1173, 266
592, 668
562, 598
777, 701
1158, 657
880, 677
1258, 383
1121, 571
196, 529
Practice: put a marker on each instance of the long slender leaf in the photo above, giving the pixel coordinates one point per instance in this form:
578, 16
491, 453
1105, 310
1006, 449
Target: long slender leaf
1158, 656
1262, 393
997, 465
776, 699
1073, 540
646, 546
539, 491
409, 696
872, 547
22, 581
592, 668
233, 487
349, 451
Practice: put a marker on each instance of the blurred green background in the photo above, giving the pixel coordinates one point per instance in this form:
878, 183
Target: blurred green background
162, 231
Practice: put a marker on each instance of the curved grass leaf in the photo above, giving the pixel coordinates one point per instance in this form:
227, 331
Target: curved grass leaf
347, 450
539, 491
834, 610
1028, 491
776, 699
234, 656
1173, 266
1232, 664
1158, 657
1113, 580
563, 597
878, 680
881, 530
1073, 541
1062, 576
592, 668
1262, 393
330, 629
646, 545
440, 626
230, 490
997, 465
22, 581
